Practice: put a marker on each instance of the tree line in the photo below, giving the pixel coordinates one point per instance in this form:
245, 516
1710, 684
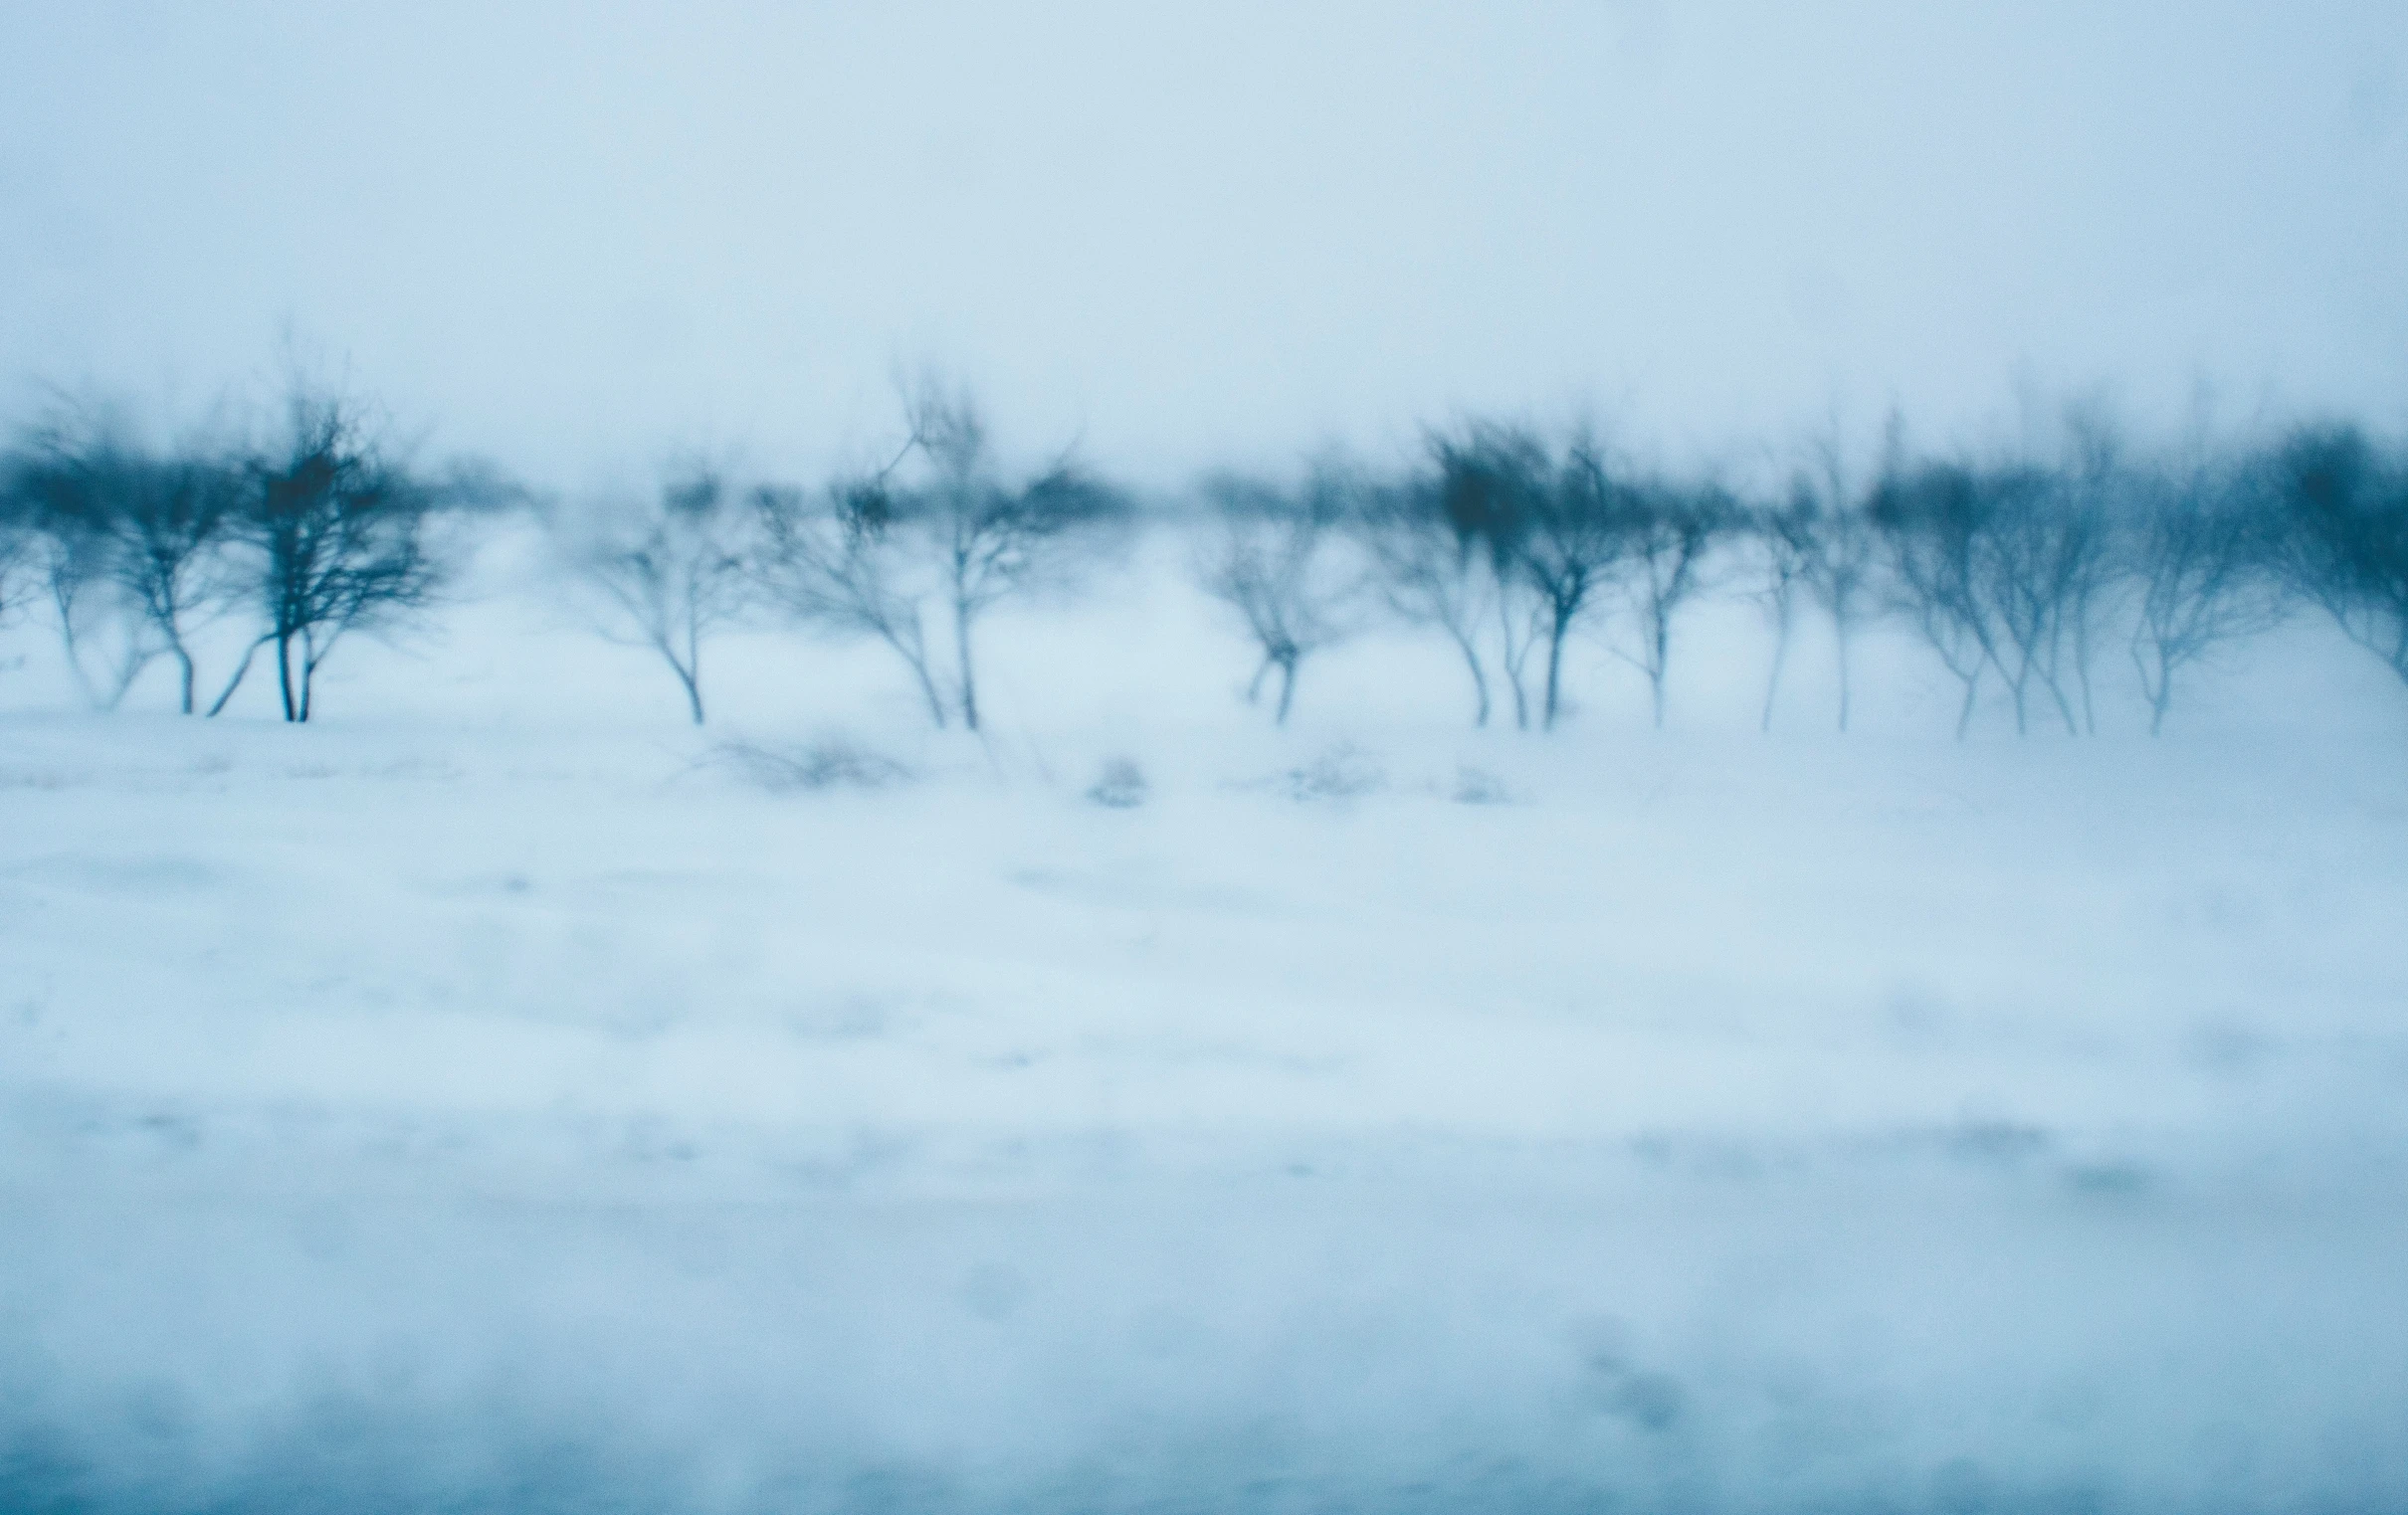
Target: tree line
308, 537
2023, 571
2032, 571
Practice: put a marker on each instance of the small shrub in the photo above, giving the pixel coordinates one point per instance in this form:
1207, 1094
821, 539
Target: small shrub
1120, 785
1344, 772
830, 763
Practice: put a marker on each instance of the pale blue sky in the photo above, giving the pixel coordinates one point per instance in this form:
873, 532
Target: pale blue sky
574, 235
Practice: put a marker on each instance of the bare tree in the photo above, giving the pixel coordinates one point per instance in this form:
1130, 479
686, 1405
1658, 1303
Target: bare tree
994, 538
839, 561
2005, 567
1931, 518
1274, 562
93, 616
1671, 530
2346, 514
336, 532
1786, 540
670, 573
19, 546
933, 540
1490, 484
2201, 554
1557, 528
146, 531
2048, 565
1433, 570
1842, 570
169, 560
76, 484
2030, 536
2092, 559
1568, 549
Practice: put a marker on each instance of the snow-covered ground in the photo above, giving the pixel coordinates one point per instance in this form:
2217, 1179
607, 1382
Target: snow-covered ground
496, 1096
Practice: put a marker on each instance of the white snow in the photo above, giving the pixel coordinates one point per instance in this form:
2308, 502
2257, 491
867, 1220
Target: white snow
490, 1096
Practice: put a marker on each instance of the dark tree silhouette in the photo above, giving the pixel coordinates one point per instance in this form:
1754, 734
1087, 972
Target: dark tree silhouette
2345, 506
1842, 571
70, 504
134, 534
1567, 550
2091, 566
337, 532
2200, 549
1785, 539
1559, 530
1671, 530
1489, 483
2033, 539
2006, 566
19, 546
1433, 570
1931, 518
169, 560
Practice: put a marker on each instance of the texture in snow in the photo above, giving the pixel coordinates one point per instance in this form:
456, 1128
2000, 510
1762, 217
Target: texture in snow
497, 1095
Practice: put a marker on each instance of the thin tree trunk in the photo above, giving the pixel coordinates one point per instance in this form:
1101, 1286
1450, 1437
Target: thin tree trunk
1965, 716
2052, 679
2159, 690
309, 673
928, 691
914, 653
127, 669
2082, 672
691, 672
969, 674
236, 682
1555, 635
184, 667
1513, 657
1254, 686
1286, 690
65, 602
1660, 664
1480, 677
284, 675
2073, 727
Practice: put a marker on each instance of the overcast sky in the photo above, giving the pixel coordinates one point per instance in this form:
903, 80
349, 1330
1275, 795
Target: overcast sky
577, 235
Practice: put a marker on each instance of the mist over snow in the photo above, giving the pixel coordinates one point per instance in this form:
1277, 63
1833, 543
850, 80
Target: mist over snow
949, 759
499, 1094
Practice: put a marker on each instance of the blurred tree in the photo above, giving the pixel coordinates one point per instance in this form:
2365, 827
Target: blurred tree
2344, 507
668, 572
1274, 560
335, 530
